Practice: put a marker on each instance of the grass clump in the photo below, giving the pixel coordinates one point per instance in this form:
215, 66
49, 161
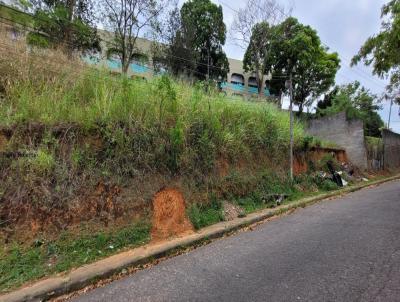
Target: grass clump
19, 264
205, 215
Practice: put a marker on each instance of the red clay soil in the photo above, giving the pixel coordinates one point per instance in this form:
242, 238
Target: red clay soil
299, 165
222, 167
3, 142
169, 215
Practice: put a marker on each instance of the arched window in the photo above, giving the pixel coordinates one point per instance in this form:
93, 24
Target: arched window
253, 82
237, 79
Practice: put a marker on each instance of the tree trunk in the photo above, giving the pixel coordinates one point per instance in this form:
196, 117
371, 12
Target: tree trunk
125, 66
301, 105
68, 47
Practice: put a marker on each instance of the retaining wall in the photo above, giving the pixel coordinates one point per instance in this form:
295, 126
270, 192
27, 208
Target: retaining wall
391, 142
347, 134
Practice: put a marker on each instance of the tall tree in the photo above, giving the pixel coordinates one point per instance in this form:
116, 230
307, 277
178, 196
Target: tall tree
255, 12
357, 102
203, 22
128, 19
297, 49
256, 59
69, 24
382, 50
176, 48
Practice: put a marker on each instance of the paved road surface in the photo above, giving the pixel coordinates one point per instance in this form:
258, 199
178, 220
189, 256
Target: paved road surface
346, 249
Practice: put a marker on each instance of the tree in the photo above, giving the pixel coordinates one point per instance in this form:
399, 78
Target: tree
174, 48
255, 12
357, 102
296, 48
382, 50
128, 19
202, 24
256, 58
65, 24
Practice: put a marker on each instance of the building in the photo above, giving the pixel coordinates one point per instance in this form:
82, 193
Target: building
238, 82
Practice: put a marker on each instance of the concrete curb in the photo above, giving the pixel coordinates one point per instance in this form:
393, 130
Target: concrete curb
85, 275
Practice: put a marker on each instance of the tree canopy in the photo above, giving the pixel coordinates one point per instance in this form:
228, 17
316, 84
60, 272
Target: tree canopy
204, 31
381, 51
257, 57
297, 48
291, 47
357, 102
65, 24
128, 19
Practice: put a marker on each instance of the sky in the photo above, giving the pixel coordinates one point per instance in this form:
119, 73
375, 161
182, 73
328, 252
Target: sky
343, 25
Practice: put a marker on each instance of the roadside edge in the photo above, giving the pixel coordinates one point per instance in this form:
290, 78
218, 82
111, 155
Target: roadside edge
85, 275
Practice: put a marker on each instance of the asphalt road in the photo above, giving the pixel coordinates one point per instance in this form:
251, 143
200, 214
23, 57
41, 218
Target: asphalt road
346, 249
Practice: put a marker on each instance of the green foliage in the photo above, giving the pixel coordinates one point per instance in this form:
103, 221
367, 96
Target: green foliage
201, 32
328, 185
21, 17
374, 141
20, 264
43, 163
297, 48
128, 20
205, 215
66, 24
155, 125
258, 54
357, 102
381, 50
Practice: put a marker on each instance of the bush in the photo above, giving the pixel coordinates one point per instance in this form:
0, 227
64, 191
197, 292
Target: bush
328, 185
205, 215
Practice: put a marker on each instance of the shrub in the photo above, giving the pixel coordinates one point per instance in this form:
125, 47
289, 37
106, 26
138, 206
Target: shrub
205, 215
328, 185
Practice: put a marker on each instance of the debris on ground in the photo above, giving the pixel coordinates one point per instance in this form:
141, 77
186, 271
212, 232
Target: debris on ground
232, 211
277, 199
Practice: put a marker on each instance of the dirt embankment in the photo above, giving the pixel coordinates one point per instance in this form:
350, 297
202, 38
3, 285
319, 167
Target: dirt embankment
169, 215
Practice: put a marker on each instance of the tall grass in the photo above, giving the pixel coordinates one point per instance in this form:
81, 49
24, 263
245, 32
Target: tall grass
160, 105
158, 115
140, 127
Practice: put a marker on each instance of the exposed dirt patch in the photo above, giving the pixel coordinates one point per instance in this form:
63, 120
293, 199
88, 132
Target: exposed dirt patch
169, 215
299, 165
3, 142
222, 167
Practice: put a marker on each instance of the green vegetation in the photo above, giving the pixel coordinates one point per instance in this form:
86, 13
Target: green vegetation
291, 47
19, 264
358, 102
381, 50
159, 123
374, 142
13, 15
205, 215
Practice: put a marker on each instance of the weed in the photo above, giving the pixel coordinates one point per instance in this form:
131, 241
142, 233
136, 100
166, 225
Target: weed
205, 215
328, 185
20, 264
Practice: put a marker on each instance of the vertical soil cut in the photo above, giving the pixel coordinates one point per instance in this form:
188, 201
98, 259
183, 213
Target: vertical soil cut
169, 215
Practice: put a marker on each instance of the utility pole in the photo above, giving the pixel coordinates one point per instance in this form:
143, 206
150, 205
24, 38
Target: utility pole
390, 112
208, 63
291, 126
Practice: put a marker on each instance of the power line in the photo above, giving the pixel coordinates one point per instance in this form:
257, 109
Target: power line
276, 76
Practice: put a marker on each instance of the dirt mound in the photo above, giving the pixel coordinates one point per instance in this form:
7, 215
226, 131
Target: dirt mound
169, 215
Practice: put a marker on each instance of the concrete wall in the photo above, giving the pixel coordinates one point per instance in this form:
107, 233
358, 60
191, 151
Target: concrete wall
347, 134
391, 142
